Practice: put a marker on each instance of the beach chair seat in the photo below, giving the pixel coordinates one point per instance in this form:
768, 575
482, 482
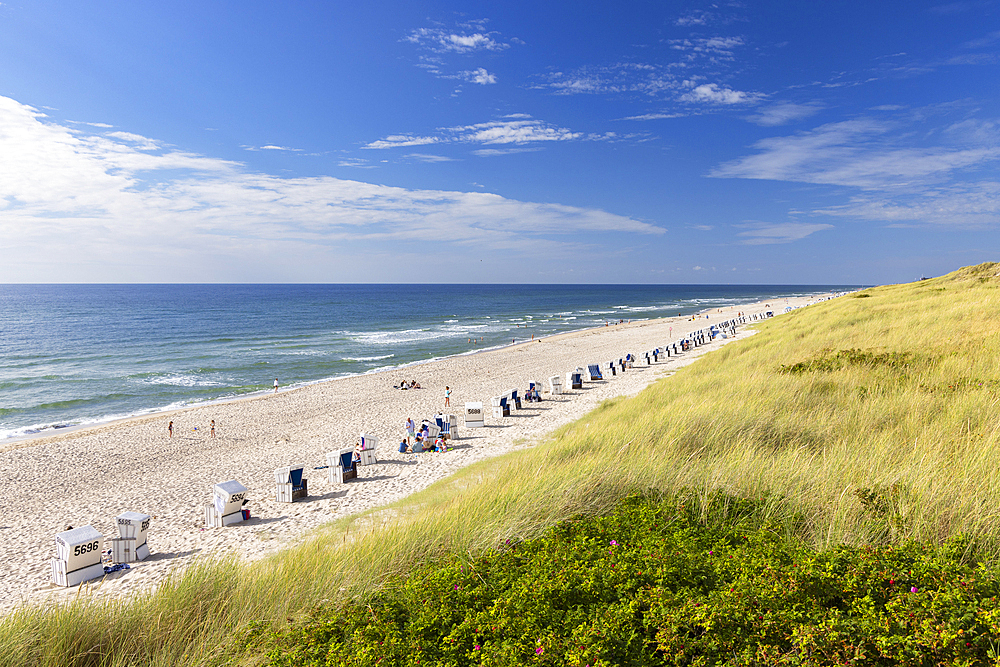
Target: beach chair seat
368, 445
290, 484
341, 465
594, 373
500, 407
555, 385
574, 380
513, 400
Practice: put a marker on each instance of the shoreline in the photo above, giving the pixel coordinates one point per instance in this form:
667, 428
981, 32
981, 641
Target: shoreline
91, 474
53, 429
30, 439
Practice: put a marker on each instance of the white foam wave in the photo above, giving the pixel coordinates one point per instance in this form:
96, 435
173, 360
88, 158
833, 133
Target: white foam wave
181, 381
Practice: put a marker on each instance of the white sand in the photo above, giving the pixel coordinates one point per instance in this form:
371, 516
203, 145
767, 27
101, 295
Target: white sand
90, 476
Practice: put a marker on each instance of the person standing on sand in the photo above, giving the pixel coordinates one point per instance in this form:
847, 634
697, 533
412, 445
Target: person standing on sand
447, 397
275, 385
212, 432
170, 429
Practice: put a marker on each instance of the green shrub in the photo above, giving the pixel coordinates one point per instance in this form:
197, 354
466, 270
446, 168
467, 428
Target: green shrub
673, 582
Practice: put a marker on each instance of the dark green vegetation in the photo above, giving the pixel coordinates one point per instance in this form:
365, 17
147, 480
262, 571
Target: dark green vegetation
666, 582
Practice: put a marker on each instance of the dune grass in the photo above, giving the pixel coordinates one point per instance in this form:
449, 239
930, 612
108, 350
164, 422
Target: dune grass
868, 419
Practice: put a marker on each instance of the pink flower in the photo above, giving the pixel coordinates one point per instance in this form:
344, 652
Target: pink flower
913, 589
613, 543
539, 650
477, 647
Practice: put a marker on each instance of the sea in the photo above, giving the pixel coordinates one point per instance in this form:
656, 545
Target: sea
77, 355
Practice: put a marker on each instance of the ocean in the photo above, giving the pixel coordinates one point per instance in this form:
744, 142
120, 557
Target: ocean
74, 355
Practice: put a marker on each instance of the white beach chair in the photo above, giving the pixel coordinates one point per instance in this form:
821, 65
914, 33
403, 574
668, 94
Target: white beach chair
227, 504
474, 417
341, 465
289, 483
78, 556
555, 385
130, 545
368, 444
574, 380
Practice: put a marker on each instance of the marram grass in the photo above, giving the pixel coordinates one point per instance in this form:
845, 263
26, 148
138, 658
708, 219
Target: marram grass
869, 419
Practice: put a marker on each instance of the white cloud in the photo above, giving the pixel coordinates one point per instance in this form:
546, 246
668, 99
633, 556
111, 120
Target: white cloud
401, 140
712, 93
514, 132
480, 76
85, 207
715, 49
464, 38
517, 130
853, 153
783, 113
693, 18
762, 233
943, 176
492, 152
641, 78
962, 205
137, 140
426, 157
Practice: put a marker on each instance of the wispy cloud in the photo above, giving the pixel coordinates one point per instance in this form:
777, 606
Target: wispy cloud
272, 147
136, 140
858, 153
518, 130
783, 113
940, 175
441, 49
712, 93
763, 233
468, 37
493, 152
68, 198
480, 76
402, 140
427, 157
693, 18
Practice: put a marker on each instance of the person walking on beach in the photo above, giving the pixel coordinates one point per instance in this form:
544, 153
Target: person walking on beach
170, 429
447, 397
212, 432
275, 385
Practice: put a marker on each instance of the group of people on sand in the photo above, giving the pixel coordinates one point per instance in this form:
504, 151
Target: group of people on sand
420, 439
404, 384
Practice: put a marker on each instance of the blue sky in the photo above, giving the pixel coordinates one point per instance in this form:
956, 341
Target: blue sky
650, 142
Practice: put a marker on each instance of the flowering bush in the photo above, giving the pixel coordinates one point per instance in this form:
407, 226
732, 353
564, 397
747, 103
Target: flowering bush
658, 583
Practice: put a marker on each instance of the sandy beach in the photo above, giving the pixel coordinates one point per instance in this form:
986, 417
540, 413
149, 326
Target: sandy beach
90, 476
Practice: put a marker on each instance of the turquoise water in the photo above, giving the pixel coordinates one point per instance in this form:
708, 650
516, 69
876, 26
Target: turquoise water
84, 354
